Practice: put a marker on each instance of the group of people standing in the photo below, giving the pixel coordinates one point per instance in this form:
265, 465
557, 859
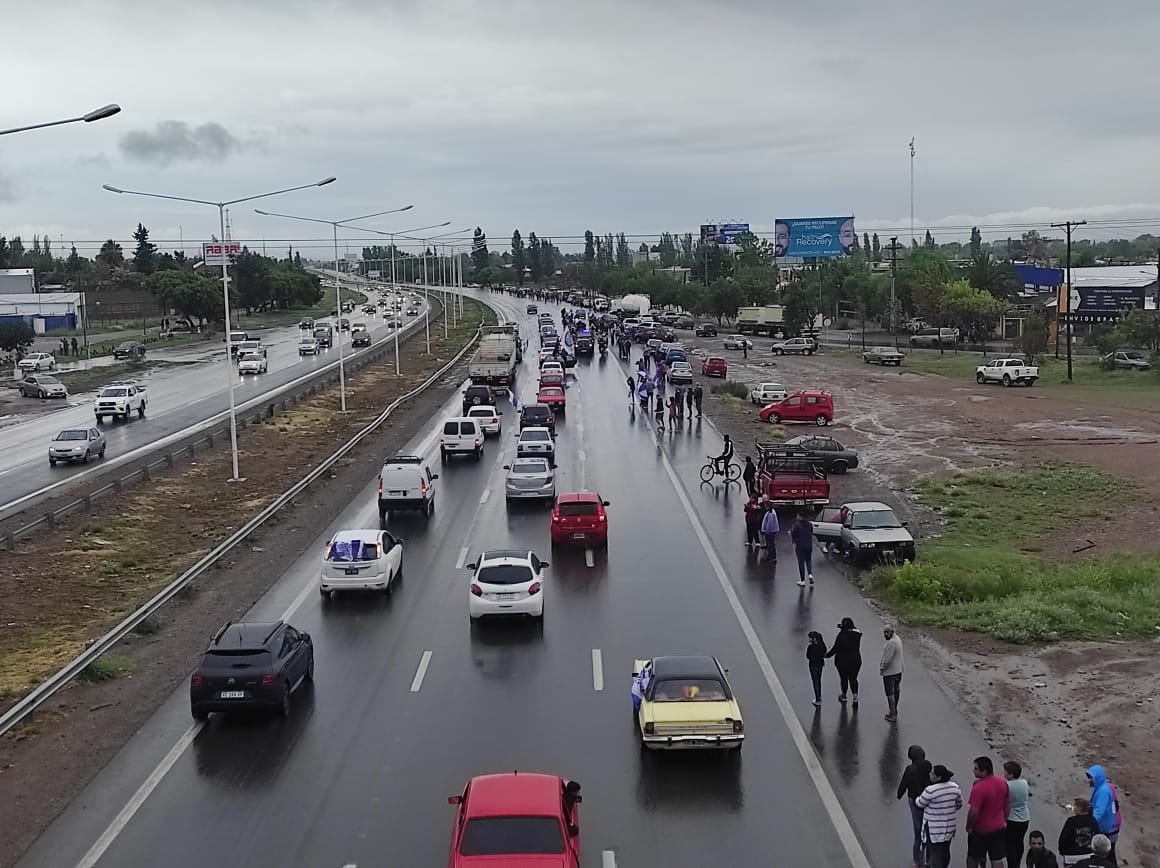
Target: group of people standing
999, 815
846, 652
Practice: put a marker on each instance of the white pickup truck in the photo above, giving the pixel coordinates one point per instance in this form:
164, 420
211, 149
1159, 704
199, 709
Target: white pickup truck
1007, 371
121, 400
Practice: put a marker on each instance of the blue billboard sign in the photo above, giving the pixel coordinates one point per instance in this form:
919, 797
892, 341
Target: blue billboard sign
723, 233
814, 236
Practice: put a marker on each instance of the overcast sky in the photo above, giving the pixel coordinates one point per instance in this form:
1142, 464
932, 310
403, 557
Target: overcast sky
616, 115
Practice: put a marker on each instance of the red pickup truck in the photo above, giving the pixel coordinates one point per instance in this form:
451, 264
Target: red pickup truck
791, 477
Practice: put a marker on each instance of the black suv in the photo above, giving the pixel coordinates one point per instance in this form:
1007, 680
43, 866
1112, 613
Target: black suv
537, 416
476, 395
251, 666
129, 350
706, 330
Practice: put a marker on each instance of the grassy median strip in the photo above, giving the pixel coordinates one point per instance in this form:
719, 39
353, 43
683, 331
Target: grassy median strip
66, 587
1007, 565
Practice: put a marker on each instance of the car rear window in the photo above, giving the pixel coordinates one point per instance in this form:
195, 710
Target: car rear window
348, 550
451, 428
535, 412
236, 658
689, 690
481, 411
512, 836
504, 574
578, 509
530, 465
536, 435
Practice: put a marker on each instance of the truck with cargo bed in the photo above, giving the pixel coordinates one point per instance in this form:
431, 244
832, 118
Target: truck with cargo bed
494, 362
791, 477
764, 320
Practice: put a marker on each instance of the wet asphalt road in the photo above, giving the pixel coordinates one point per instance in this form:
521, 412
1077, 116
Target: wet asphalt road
179, 398
360, 772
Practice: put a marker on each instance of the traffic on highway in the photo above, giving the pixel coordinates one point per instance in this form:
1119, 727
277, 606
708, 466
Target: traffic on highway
454, 667
132, 415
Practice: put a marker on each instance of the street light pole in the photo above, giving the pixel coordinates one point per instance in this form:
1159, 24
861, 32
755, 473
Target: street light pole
893, 248
105, 111
1067, 226
221, 206
912, 189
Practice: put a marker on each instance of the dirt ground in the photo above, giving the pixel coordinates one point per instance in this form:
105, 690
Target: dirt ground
47, 761
1056, 710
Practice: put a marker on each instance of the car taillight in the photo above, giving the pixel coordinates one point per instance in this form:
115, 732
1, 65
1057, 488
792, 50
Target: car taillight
650, 728
380, 488
422, 486
549, 479
555, 516
600, 516
197, 680
534, 589
476, 590
268, 678
442, 441
738, 726
476, 441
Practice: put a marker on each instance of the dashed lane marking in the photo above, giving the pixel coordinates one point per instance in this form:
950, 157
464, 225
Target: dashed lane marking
582, 456
483, 497
589, 558
607, 859
421, 672
462, 559
597, 670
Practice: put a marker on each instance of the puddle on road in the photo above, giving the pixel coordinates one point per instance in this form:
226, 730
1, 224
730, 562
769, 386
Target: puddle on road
1094, 428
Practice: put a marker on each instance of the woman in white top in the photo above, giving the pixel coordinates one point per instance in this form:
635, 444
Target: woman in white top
1020, 816
940, 803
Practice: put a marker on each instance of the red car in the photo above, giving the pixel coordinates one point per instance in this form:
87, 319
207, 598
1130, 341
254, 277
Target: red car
816, 407
553, 396
715, 366
579, 517
517, 819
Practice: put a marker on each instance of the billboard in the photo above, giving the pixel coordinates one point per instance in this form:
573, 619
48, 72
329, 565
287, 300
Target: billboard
213, 251
814, 236
722, 233
1104, 299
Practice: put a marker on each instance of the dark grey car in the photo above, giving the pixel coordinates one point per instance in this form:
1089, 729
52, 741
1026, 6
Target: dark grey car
836, 458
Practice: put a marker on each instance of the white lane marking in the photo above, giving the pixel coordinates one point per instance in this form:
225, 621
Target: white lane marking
421, 672
829, 798
350, 865
93, 856
582, 456
597, 670
499, 457
589, 558
483, 497
607, 859
462, 559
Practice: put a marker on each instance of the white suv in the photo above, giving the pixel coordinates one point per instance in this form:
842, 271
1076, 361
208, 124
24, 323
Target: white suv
461, 436
507, 582
406, 482
361, 560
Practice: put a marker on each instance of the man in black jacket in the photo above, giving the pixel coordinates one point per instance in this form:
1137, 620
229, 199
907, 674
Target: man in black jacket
1075, 839
915, 779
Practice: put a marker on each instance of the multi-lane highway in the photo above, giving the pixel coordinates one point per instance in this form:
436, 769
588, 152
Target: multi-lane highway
409, 701
180, 397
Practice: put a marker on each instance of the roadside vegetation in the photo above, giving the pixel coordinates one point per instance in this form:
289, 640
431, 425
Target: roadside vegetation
118, 557
991, 573
291, 316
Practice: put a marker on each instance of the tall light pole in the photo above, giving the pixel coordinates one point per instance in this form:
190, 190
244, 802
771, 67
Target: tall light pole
105, 111
912, 189
1067, 226
334, 224
221, 206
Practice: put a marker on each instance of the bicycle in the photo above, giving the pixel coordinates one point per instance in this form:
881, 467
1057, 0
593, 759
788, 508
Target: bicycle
709, 471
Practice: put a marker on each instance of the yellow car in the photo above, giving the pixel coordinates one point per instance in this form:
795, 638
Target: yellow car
685, 703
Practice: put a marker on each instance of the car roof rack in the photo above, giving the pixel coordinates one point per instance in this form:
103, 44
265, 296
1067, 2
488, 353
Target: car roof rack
404, 459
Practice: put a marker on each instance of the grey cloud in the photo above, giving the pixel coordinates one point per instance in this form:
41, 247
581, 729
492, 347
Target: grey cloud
7, 188
175, 141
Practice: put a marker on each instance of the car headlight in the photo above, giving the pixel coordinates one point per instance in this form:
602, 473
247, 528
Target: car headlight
866, 545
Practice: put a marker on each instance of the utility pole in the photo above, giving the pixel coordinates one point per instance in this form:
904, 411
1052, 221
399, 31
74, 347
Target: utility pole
912, 189
893, 247
1067, 226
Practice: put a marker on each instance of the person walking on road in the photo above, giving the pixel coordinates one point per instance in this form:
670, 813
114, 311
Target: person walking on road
987, 817
816, 656
916, 777
769, 531
754, 513
1075, 839
75, 347
698, 396
940, 801
1019, 818
802, 534
890, 668
847, 654
748, 474
689, 401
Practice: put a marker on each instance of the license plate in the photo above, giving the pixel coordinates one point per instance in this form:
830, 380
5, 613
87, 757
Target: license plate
397, 493
505, 596
351, 572
233, 694
579, 535
799, 503
887, 551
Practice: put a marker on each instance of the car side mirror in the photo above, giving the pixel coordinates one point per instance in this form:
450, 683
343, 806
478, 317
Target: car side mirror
906, 524
471, 567
507, 467
545, 564
434, 475
305, 637
607, 502
455, 800
573, 829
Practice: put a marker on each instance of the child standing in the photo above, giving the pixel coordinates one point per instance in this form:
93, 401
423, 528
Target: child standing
816, 656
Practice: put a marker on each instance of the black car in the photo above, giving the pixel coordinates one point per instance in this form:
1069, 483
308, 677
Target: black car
706, 330
344, 324
537, 416
251, 666
129, 350
532, 309
361, 339
836, 458
477, 395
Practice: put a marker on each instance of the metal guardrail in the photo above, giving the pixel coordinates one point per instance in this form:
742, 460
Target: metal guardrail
278, 398
43, 691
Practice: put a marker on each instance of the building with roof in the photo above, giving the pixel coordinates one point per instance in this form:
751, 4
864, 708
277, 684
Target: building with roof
15, 281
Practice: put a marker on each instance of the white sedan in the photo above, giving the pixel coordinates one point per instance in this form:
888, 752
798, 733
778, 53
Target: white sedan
507, 583
767, 393
252, 363
37, 362
738, 342
361, 560
536, 441
681, 374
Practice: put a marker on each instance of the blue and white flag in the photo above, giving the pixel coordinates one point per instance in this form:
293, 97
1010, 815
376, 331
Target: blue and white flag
568, 339
515, 400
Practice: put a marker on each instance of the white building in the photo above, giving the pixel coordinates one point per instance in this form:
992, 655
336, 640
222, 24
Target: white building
17, 280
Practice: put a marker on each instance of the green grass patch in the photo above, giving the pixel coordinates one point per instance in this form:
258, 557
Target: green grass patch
107, 668
732, 388
990, 574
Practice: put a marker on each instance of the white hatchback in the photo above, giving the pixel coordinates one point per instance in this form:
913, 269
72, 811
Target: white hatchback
505, 583
487, 417
537, 441
361, 560
767, 393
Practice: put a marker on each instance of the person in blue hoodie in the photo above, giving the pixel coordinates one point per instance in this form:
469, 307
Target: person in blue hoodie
1105, 805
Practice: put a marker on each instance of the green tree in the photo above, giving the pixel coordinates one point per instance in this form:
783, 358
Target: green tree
16, 251
519, 260
722, 300
589, 246
876, 249
973, 311
535, 259
1140, 328
6, 253
74, 263
801, 307
16, 336
111, 255
1033, 340
923, 276
549, 258
867, 249
666, 250
250, 278
145, 254
995, 276
928, 242
623, 254
189, 294
976, 241
479, 253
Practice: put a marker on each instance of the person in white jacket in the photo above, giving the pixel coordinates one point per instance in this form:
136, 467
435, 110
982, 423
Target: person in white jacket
940, 803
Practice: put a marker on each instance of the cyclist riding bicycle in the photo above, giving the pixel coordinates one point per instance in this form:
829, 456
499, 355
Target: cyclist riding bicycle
722, 460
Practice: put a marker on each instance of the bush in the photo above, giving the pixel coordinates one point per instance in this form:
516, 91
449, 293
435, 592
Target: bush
916, 583
730, 387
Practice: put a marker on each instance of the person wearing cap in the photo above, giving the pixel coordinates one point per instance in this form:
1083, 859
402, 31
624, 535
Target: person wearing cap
940, 803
